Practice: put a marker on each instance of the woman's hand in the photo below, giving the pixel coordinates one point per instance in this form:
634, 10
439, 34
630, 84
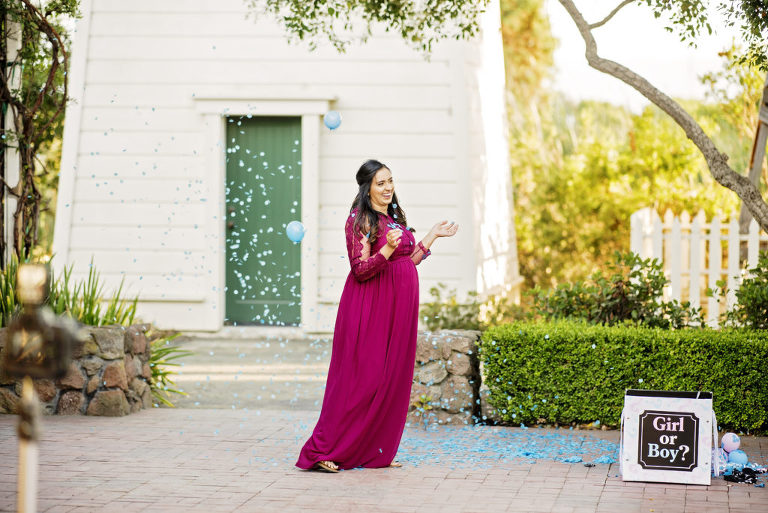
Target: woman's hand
445, 229
393, 237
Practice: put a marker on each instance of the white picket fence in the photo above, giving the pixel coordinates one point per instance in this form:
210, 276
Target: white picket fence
693, 251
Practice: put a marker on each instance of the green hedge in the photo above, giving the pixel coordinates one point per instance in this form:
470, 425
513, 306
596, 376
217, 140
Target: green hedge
567, 371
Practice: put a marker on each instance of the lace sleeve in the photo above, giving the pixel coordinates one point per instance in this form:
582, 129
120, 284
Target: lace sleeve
420, 253
364, 266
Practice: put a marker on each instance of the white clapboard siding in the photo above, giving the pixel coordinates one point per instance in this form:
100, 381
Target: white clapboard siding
137, 261
402, 97
172, 6
698, 254
153, 286
255, 48
244, 72
128, 238
138, 143
156, 214
167, 120
181, 22
137, 166
140, 190
139, 119
396, 145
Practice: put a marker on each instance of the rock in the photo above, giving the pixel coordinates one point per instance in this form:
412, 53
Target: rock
9, 402
146, 371
109, 403
432, 373
78, 346
46, 389
462, 344
135, 339
92, 365
428, 348
108, 340
134, 400
114, 375
459, 364
73, 379
93, 384
146, 397
132, 366
456, 394
70, 403
139, 386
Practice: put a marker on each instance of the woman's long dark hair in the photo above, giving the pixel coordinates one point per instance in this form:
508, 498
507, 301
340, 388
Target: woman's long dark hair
366, 215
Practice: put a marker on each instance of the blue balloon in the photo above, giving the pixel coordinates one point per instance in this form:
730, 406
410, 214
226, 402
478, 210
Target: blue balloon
295, 231
738, 456
332, 119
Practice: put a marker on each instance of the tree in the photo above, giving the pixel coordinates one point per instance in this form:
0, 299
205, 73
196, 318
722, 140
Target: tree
33, 90
603, 163
689, 18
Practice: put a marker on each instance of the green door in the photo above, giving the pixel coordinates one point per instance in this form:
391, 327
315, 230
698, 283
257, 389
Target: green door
263, 195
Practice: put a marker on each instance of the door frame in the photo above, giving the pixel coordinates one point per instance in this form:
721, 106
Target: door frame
215, 110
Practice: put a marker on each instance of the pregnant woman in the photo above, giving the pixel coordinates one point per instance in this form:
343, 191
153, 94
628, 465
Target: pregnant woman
368, 389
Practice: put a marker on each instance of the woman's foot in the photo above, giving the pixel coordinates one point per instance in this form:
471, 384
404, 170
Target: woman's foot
395, 464
327, 466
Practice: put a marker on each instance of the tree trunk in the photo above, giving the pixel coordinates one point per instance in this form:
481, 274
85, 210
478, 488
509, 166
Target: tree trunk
758, 156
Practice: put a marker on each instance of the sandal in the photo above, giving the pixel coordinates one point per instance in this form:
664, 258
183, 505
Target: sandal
396, 464
322, 465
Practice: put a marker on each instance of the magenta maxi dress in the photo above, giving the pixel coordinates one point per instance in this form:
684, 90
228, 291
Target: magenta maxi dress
368, 390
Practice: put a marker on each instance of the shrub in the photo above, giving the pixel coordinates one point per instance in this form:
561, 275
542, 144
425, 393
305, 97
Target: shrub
567, 371
751, 309
632, 293
448, 313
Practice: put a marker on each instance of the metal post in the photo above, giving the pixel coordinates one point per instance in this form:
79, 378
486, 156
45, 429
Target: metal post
29, 431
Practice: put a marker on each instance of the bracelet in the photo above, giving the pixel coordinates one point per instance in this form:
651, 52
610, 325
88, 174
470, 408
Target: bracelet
424, 250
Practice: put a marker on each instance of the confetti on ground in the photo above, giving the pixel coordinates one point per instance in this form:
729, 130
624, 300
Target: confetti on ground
485, 445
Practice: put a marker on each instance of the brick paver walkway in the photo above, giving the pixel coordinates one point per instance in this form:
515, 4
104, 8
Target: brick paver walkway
240, 461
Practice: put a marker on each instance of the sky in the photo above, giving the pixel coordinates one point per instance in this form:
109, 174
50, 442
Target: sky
637, 40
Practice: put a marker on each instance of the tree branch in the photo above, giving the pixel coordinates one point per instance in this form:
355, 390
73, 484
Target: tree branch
56, 44
717, 161
611, 15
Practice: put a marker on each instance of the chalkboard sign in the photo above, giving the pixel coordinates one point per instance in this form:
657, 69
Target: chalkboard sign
667, 436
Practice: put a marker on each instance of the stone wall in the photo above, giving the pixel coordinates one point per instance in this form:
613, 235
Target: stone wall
448, 372
109, 375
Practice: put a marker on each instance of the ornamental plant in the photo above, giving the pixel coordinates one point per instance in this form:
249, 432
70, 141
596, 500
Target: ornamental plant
751, 309
630, 292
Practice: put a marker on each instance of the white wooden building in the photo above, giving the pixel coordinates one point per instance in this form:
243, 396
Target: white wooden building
146, 189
